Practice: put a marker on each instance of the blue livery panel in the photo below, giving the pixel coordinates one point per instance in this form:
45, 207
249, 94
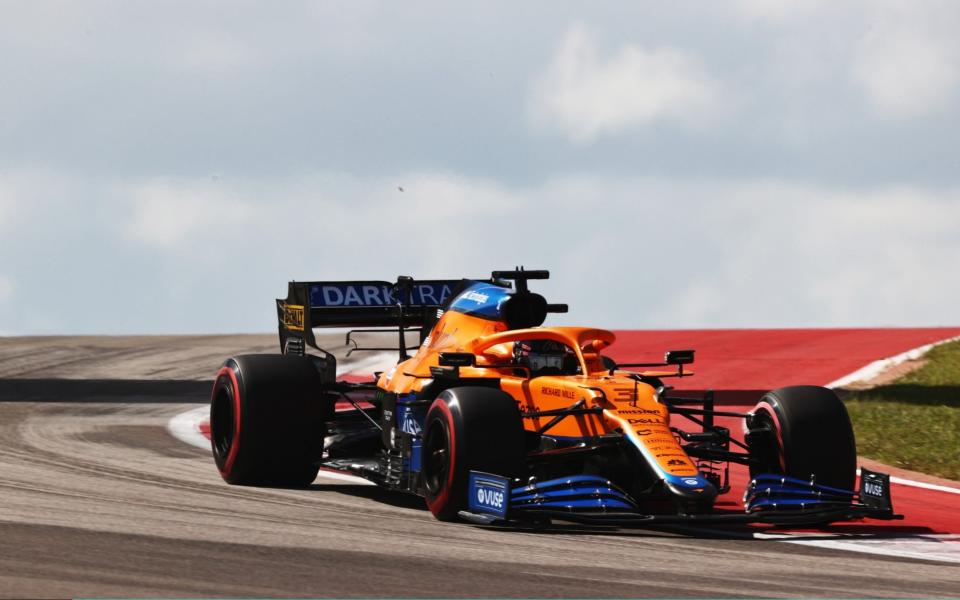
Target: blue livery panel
410, 421
482, 300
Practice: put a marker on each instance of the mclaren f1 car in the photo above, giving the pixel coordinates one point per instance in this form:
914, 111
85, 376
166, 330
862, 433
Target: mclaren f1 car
498, 419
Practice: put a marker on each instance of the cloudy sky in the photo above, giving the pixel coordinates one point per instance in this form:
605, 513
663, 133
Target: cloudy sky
166, 167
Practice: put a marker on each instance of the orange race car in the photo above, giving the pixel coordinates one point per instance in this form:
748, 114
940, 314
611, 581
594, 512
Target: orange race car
498, 419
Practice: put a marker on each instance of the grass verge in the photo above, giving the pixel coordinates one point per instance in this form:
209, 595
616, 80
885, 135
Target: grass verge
914, 422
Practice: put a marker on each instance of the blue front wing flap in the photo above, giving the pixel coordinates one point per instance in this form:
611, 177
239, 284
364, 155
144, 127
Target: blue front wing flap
777, 492
578, 492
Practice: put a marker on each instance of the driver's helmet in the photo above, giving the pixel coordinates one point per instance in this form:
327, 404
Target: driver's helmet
542, 356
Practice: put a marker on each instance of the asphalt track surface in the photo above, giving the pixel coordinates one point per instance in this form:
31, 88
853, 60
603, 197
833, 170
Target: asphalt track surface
98, 500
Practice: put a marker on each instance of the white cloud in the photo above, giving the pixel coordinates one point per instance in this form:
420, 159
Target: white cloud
628, 252
791, 254
26, 194
167, 213
586, 95
6, 204
771, 11
625, 251
15, 196
105, 131
907, 68
442, 196
347, 220
6, 289
214, 51
171, 213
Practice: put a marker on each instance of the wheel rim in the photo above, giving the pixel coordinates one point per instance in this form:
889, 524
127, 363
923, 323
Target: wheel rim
222, 421
436, 458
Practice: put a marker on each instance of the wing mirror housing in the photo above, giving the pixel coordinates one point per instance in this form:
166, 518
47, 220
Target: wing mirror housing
457, 359
672, 357
678, 357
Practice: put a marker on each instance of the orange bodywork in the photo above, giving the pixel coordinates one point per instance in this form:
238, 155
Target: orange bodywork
629, 407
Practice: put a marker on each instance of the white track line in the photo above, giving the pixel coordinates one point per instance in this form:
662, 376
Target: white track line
876, 367
937, 547
926, 486
186, 427
940, 548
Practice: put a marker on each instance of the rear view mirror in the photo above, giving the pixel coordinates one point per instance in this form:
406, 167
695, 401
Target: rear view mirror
679, 357
457, 359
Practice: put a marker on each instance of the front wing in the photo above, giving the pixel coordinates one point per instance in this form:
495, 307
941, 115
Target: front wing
591, 500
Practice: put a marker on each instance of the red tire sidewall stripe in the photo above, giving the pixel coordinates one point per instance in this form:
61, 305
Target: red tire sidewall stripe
444, 497
235, 443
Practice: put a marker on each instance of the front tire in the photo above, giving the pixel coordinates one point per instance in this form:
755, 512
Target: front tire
267, 420
804, 432
468, 429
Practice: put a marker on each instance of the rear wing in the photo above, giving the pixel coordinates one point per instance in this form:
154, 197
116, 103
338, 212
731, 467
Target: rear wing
408, 303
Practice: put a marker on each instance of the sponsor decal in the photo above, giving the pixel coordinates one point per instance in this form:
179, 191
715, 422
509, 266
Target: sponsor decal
375, 294
491, 498
691, 481
661, 440
430, 294
639, 421
488, 493
293, 317
638, 411
643, 431
558, 392
676, 462
476, 297
873, 488
408, 422
484, 301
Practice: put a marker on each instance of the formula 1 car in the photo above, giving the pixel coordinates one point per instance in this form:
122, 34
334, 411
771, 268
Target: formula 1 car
496, 419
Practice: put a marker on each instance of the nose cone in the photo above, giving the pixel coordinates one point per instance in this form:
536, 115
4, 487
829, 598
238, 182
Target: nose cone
691, 488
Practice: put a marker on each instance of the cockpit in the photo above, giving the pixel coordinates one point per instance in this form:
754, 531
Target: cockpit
545, 357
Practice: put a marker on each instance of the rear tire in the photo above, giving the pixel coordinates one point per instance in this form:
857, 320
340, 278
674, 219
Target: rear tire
267, 420
468, 428
811, 436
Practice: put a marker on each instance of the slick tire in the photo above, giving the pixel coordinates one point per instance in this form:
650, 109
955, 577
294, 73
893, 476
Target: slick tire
267, 420
466, 429
812, 436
